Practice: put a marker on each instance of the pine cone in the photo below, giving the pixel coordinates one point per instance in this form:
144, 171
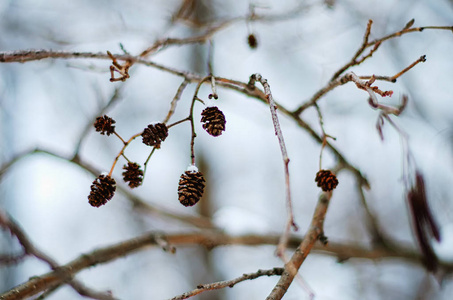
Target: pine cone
155, 134
252, 41
102, 190
133, 175
214, 120
191, 187
326, 180
105, 125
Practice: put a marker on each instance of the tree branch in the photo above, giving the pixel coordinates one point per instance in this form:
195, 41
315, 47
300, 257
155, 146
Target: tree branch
314, 232
229, 283
211, 239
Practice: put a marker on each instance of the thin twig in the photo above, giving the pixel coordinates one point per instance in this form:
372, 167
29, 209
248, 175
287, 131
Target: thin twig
229, 283
202, 38
125, 144
357, 79
192, 124
175, 100
278, 132
324, 134
354, 61
89, 125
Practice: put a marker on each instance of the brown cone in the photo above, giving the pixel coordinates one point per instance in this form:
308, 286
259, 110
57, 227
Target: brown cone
252, 41
133, 174
191, 187
214, 120
105, 125
155, 134
102, 190
326, 180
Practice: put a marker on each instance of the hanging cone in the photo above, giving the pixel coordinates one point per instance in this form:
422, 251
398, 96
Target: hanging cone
104, 125
102, 190
252, 41
214, 120
133, 175
326, 180
191, 187
154, 134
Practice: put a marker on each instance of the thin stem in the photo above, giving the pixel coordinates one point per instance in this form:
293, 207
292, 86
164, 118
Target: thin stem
115, 133
229, 283
192, 124
175, 100
324, 134
145, 165
278, 132
122, 150
178, 122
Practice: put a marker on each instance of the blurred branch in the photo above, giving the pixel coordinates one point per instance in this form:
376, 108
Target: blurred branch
202, 38
6, 259
211, 239
136, 201
8, 223
116, 96
229, 283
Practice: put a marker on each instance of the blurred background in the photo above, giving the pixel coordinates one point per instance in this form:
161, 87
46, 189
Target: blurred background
47, 104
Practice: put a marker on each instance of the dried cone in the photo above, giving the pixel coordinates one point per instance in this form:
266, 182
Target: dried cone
133, 175
105, 125
252, 41
102, 190
214, 120
155, 134
326, 180
191, 187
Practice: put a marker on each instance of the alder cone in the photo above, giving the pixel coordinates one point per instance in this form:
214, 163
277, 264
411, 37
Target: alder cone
104, 125
214, 120
326, 180
102, 190
191, 187
133, 174
252, 41
155, 134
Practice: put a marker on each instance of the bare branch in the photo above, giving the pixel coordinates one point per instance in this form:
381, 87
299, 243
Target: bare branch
211, 239
313, 234
278, 132
229, 283
8, 223
136, 201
